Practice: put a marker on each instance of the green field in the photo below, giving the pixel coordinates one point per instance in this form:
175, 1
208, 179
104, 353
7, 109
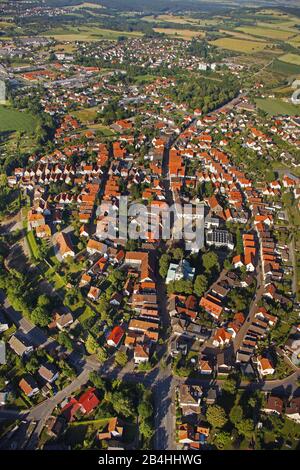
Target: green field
86, 115
276, 107
291, 59
14, 120
285, 68
87, 33
33, 246
267, 32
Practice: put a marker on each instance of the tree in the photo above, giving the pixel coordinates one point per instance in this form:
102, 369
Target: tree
96, 380
164, 262
200, 285
210, 261
146, 429
177, 254
32, 365
239, 242
2, 382
91, 345
216, 416
121, 358
183, 286
222, 440
236, 414
145, 409
227, 265
65, 340
230, 385
103, 308
122, 405
40, 316
102, 355
245, 427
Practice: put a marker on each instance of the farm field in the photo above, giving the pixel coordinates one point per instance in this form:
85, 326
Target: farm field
276, 107
88, 34
291, 59
181, 20
285, 68
180, 33
87, 5
240, 45
14, 120
238, 35
267, 32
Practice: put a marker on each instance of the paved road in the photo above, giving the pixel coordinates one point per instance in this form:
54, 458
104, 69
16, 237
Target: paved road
251, 313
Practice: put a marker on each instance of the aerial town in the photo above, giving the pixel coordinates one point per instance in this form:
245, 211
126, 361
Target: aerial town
177, 329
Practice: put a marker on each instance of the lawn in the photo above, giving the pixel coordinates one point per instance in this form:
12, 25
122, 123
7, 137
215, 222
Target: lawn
105, 130
87, 114
275, 107
240, 45
14, 120
145, 78
87, 313
33, 246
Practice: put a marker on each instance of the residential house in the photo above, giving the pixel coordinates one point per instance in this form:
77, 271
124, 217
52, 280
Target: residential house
29, 386
49, 373
189, 397
274, 405
115, 337
64, 245
21, 346
292, 409
264, 366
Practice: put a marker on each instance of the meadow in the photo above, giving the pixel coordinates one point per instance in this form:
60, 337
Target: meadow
86, 115
14, 120
276, 107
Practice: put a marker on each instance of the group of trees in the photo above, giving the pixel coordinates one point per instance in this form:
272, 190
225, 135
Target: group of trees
204, 94
210, 264
128, 402
236, 420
